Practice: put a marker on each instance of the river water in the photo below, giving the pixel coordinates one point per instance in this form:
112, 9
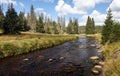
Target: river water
69, 59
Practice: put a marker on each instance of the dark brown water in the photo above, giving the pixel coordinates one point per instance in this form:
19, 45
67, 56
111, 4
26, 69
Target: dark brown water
75, 60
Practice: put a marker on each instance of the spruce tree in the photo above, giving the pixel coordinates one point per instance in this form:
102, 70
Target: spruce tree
115, 35
11, 21
69, 27
75, 26
1, 17
88, 25
107, 28
32, 19
40, 24
23, 22
93, 26
55, 27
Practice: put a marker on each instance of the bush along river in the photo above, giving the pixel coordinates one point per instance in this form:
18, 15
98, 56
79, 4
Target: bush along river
80, 57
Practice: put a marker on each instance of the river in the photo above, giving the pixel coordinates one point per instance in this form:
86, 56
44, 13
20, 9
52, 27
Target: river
69, 59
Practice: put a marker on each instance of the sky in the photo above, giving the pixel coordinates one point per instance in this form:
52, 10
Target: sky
80, 9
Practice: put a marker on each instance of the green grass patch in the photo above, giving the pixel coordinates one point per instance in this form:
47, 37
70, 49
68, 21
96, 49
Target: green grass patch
26, 43
97, 36
112, 59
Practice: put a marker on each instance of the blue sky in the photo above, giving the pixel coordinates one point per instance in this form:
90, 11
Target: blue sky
69, 8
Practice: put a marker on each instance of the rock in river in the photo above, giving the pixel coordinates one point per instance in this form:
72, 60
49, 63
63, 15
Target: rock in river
61, 58
94, 57
97, 69
101, 63
82, 46
25, 59
93, 45
50, 60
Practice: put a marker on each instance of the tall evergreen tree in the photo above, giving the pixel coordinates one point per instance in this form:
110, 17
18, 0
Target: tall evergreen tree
93, 26
32, 19
90, 26
75, 26
40, 24
115, 35
55, 28
107, 28
23, 22
69, 27
11, 21
1, 17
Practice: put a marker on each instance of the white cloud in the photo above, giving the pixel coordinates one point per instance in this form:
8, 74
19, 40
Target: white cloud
84, 4
8, 1
21, 4
98, 17
79, 6
41, 10
51, 1
101, 1
115, 6
63, 9
45, 0
38, 9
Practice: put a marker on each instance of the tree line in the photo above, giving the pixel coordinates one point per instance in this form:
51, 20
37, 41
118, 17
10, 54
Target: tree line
12, 23
111, 29
90, 26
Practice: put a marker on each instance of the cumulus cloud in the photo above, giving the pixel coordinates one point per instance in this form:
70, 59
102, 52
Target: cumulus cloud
101, 1
21, 4
8, 1
63, 9
45, 0
98, 17
115, 6
38, 11
79, 6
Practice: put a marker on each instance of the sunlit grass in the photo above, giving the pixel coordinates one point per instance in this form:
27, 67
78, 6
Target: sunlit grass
112, 59
14, 45
97, 36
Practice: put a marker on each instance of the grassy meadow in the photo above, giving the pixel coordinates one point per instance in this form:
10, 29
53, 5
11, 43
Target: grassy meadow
111, 52
11, 45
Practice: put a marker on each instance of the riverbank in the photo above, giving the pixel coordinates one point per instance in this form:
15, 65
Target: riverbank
72, 58
111, 53
28, 42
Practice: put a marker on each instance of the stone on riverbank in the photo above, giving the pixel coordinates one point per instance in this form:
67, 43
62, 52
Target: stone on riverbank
97, 69
82, 46
93, 45
50, 60
101, 63
94, 57
26, 59
61, 58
